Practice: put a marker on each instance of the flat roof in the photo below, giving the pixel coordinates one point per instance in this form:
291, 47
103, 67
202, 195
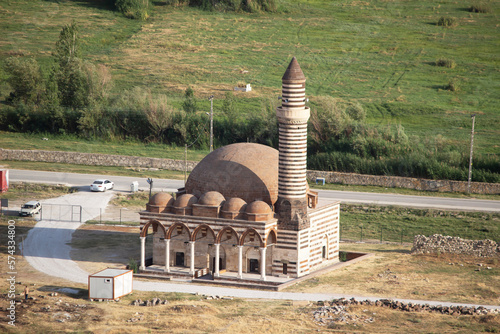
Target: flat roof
110, 272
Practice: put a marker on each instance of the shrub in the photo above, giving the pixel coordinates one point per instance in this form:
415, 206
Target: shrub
134, 9
445, 62
447, 22
235, 5
480, 8
453, 85
132, 265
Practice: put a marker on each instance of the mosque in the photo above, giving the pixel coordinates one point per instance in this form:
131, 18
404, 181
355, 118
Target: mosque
247, 208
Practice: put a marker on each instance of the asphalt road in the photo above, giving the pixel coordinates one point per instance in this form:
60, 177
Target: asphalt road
122, 183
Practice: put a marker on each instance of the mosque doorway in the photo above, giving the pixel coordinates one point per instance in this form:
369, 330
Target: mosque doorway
254, 265
179, 259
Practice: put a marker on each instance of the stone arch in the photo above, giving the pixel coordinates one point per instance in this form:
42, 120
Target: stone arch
273, 235
247, 231
227, 228
155, 223
198, 228
325, 247
174, 226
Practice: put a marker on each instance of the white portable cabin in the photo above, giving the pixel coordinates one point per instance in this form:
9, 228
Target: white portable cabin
110, 284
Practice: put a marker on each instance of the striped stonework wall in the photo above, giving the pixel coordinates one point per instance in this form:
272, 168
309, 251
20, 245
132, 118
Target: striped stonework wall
324, 233
285, 252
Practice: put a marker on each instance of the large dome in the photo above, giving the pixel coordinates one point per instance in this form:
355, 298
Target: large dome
245, 170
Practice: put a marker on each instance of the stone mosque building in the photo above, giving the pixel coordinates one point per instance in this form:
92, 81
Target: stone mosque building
247, 208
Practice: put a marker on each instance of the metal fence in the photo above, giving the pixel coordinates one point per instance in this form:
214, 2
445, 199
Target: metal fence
61, 212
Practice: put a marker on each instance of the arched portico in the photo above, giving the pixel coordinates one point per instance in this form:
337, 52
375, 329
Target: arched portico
157, 225
203, 238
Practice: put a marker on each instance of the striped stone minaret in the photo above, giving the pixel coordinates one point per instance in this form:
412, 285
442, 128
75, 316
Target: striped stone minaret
292, 182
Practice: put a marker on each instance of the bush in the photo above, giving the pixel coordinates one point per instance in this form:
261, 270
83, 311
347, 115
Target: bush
480, 8
447, 22
235, 5
134, 9
132, 265
453, 85
444, 62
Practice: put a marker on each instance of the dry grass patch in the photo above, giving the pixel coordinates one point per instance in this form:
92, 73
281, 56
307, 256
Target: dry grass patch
99, 247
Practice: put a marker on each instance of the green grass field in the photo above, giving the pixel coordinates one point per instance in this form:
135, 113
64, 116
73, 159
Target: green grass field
397, 224
381, 54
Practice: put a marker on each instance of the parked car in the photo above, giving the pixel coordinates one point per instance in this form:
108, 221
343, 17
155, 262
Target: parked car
30, 208
102, 185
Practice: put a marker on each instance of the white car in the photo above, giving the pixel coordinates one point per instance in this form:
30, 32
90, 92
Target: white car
102, 185
30, 209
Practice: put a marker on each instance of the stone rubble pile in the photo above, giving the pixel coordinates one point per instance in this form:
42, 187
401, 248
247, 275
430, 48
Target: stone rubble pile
326, 315
438, 243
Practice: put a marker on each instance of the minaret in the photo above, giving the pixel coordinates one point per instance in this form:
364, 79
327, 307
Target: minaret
292, 181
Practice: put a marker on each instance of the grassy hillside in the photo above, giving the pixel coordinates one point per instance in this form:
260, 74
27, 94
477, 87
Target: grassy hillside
381, 54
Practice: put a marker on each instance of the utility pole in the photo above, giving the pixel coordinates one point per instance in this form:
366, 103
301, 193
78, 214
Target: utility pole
211, 98
473, 116
185, 162
150, 181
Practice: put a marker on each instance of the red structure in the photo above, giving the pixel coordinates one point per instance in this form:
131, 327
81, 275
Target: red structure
4, 180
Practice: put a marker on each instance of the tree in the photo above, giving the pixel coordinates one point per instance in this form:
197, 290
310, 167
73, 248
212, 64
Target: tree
189, 104
25, 78
67, 45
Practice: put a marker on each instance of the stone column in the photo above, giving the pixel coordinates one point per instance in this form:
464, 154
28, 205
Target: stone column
167, 255
240, 262
143, 253
217, 256
191, 269
263, 263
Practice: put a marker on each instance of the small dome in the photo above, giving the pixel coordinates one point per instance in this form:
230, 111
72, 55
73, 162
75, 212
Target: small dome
161, 199
185, 200
235, 205
258, 207
212, 198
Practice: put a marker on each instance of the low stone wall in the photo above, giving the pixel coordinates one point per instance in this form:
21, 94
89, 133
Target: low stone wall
404, 182
179, 165
438, 243
93, 159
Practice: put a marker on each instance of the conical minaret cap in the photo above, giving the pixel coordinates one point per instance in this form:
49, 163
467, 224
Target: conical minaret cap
293, 72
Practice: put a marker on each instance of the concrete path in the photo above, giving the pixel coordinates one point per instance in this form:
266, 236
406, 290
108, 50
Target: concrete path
46, 246
46, 250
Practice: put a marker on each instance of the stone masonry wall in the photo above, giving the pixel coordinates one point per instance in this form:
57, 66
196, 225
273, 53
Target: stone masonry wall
445, 244
94, 159
170, 164
405, 182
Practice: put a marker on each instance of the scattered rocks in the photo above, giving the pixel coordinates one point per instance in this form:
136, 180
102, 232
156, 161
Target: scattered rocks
153, 302
328, 315
137, 317
438, 243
